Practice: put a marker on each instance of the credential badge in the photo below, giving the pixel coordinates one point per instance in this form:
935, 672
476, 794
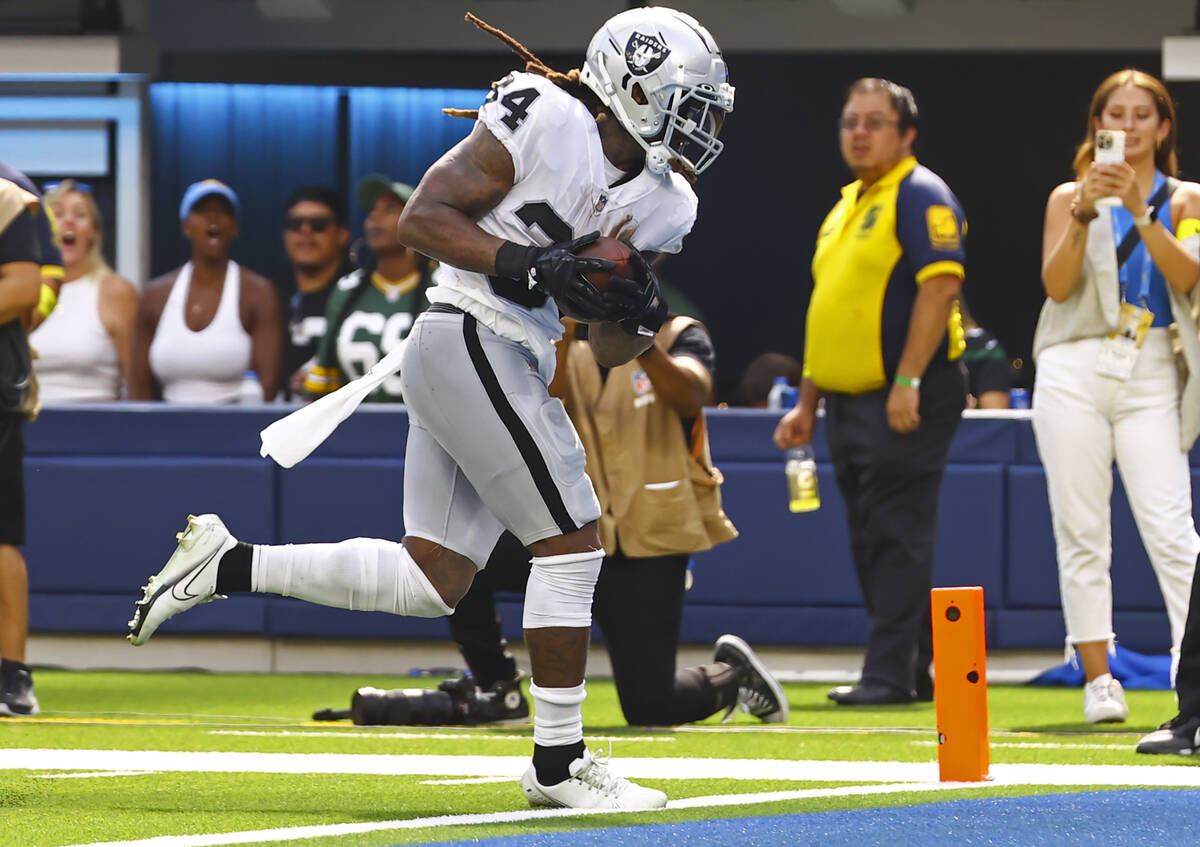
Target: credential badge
644, 53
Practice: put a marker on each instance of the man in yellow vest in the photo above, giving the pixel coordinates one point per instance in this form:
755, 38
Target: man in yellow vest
642, 427
882, 343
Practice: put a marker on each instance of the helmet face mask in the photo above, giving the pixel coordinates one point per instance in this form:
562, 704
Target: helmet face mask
662, 76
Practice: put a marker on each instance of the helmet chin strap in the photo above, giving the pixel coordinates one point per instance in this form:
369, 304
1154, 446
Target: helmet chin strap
658, 158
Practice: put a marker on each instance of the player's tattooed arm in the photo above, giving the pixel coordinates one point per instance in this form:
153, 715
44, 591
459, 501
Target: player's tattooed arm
465, 184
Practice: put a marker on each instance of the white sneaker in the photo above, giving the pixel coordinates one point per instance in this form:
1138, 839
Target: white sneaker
189, 577
1104, 700
591, 786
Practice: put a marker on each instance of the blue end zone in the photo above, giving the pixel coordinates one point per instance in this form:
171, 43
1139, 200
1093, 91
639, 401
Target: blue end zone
1142, 818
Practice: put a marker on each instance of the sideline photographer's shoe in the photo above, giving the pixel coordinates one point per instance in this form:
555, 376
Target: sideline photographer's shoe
591, 786
188, 578
1180, 736
503, 703
759, 693
1104, 700
869, 694
17, 699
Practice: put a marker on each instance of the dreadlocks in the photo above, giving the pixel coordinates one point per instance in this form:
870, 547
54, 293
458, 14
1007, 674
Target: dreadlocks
568, 81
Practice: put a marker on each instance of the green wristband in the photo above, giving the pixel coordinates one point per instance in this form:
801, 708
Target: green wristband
907, 381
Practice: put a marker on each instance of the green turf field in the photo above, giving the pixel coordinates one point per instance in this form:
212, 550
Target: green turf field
118, 757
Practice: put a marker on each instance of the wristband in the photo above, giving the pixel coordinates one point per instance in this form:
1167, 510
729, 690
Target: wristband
908, 381
47, 300
513, 260
1145, 218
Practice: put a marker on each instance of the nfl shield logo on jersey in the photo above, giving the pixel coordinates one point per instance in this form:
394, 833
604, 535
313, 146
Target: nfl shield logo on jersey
601, 202
644, 53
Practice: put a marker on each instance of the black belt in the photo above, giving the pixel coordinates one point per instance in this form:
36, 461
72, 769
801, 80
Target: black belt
445, 309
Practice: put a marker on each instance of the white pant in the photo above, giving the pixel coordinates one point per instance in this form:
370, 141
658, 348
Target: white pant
1082, 421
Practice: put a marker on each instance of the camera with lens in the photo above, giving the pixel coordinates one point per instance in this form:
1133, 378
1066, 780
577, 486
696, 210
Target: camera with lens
457, 701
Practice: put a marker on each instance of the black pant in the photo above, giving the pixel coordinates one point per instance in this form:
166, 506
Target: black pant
1187, 678
638, 605
890, 483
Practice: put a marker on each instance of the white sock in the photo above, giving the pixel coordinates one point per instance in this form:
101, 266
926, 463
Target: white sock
366, 574
557, 715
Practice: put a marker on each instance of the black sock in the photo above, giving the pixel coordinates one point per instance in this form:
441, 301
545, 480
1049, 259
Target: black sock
718, 681
8, 667
233, 573
551, 763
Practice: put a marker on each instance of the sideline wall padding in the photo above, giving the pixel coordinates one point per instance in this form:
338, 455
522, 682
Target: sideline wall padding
109, 486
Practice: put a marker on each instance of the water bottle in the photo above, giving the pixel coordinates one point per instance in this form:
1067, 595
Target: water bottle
1018, 398
775, 395
250, 392
801, 468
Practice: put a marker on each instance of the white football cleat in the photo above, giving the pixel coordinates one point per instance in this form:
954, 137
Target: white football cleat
189, 577
591, 786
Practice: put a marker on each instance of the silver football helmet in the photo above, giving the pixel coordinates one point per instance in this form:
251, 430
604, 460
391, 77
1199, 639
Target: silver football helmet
662, 76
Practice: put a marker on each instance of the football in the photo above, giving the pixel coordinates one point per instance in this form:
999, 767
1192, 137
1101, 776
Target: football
613, 250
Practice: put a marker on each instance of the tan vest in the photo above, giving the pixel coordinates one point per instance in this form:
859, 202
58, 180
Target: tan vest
658, 494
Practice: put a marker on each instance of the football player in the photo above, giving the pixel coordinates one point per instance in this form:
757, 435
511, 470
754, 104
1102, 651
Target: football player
504, 212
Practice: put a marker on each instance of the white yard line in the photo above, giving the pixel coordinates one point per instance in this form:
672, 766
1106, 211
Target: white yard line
1043, 745
1182, 775
439, 736
89, 774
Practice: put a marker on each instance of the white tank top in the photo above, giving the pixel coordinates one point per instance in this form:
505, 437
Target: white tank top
77, 359
204, 367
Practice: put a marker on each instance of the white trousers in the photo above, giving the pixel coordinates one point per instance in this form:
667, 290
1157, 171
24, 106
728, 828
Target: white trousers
1082, 422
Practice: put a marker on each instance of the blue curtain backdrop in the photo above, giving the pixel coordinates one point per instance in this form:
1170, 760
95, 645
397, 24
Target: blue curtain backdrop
402, 131
267, 140
262, 140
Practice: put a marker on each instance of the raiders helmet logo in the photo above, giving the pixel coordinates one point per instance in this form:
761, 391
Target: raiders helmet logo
644, 53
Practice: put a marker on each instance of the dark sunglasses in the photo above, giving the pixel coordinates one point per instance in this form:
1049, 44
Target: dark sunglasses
78, 186
317, 223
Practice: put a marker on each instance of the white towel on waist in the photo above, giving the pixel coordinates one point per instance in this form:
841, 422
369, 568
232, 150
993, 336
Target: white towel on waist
290, 439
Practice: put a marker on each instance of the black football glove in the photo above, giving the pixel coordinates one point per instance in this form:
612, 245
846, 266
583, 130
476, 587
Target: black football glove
559, 273
647, 308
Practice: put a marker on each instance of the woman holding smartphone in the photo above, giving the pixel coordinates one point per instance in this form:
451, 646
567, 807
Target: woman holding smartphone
1118, 281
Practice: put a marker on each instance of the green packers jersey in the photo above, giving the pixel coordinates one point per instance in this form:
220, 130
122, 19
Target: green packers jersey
365, 319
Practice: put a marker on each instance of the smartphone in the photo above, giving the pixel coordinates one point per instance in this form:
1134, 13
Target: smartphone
1110, 146
1110, 150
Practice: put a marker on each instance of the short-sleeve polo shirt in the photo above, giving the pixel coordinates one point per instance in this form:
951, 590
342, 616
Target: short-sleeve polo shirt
873, 251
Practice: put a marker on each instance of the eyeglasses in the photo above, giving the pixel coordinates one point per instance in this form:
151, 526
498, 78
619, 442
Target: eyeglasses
317, 223
871, 123
76, 186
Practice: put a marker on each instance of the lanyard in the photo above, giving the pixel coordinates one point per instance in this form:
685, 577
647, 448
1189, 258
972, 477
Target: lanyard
1122, 222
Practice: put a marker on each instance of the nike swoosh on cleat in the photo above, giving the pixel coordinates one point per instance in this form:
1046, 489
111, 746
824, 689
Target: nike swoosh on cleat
195, 573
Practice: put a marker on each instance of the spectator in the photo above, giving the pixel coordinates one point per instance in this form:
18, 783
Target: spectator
84, 345
21, 256
315, 238
642, 425
887, 273
202, 326
989, 373
760, 375
1108, 386
373, 308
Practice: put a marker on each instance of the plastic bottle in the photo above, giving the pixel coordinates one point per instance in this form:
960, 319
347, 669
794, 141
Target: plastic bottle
801, 468
775, 395
250, 392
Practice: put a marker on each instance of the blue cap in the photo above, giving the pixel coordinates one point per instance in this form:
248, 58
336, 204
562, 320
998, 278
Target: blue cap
197, 191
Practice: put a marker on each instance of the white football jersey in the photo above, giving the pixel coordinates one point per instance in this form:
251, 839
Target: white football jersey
559, 192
